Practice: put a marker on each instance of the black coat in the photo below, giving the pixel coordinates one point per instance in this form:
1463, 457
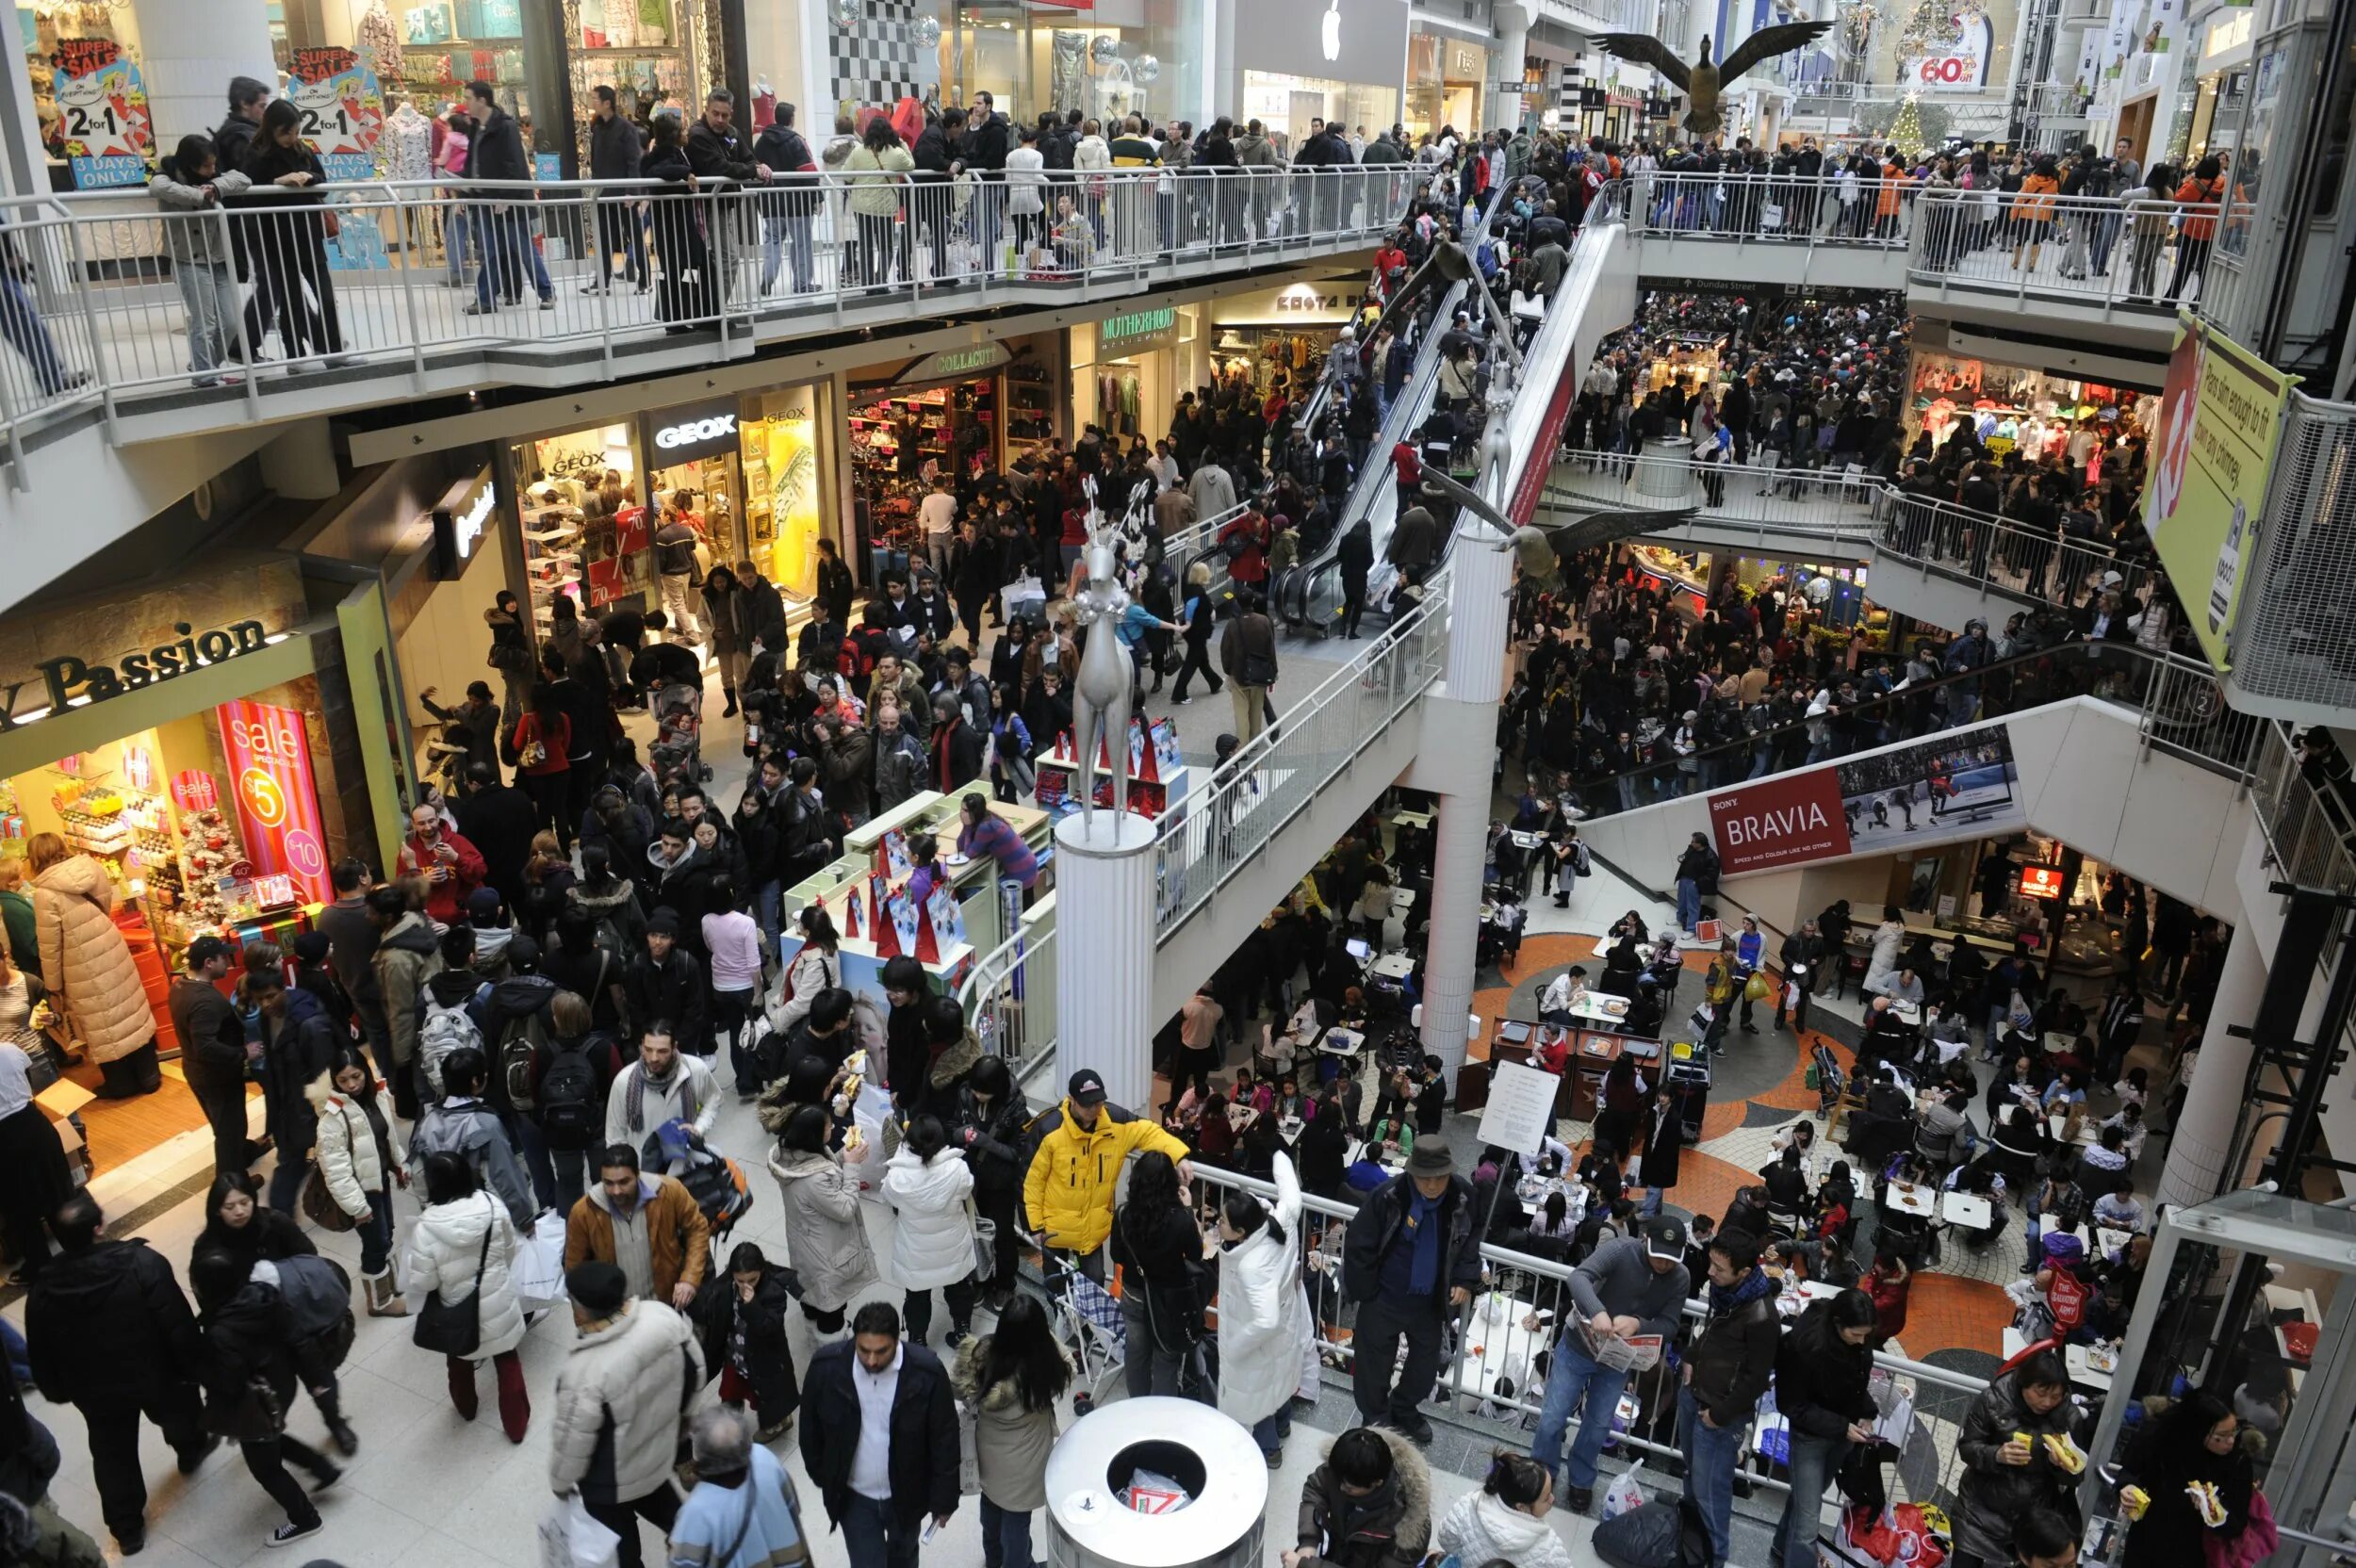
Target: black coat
501, 821
924, 1464
997, 1151
719, 154
1822, 1381
495, 151
1661, 1153
768, 1358
1382, 1221
109, 1324
615, 149
673, 990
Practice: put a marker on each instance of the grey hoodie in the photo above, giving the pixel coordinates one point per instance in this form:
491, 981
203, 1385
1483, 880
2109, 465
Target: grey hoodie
466, 1128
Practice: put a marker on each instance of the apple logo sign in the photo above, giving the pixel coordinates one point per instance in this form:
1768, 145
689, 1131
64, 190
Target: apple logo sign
1333, 31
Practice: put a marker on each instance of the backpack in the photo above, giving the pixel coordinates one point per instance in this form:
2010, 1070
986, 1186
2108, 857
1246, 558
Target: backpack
317, 1295
446, 1029
525, 1036
569, 1106
715, 1182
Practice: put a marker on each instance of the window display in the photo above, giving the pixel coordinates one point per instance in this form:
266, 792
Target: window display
901, 442
783, 499
584, 520
2012, 408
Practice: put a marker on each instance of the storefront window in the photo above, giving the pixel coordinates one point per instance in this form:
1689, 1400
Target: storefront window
1032, 61
585, 525
1444, 83
1286, 105
905, 438
2014, 409
1276, 340
692, 454
1126, 371
784, 498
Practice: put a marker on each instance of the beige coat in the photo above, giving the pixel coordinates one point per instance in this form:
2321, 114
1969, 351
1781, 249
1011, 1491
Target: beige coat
636, 1372
86, 963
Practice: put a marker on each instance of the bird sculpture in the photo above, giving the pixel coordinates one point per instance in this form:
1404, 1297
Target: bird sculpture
1702, 81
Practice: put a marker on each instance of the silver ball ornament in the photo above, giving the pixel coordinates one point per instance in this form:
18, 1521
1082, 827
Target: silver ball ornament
1145, 71
1105, 49
847, 13
925, 30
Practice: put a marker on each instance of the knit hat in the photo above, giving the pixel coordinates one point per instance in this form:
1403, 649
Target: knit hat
601, 1287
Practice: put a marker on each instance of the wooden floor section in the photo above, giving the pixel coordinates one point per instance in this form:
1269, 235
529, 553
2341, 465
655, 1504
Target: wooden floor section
121, 1130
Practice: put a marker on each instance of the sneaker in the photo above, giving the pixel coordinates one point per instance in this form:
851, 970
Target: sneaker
1578, 1499
1275, 1457
478, 308
547, 301
321, 1480
290, 1532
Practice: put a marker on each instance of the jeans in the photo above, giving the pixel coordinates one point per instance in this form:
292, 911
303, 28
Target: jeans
210, 294
730, 1012
1709, 1455
1689, 902
1576, 1383
1382, 1322
789, 234
1814, 1460
1269, 1431
1151, 1370
1005, 1537
286, 1181
507, 250
454, 247
874, 1536
532, 1147
376, 1233
572, 1176
620, 227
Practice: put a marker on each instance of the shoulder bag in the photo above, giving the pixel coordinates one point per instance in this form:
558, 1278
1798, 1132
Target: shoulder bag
455, 1329
985, 1244
319, 1204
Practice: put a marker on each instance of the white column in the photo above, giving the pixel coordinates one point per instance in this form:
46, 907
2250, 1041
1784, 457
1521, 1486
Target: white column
189, 49
2203, 1135
1462, 727
1512, 24
1105, 956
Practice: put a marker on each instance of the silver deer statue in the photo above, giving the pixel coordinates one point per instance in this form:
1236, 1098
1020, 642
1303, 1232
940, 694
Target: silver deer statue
1100, 694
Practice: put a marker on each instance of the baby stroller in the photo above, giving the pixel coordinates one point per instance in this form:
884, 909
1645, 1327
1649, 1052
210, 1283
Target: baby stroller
677, 753
1086, 1321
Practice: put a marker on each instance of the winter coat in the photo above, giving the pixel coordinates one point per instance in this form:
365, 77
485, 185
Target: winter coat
405, 960
828, 1246
679, 1239
248, 1338
1481, 1528
444, 1245
85, 961
1012, 1442
109, 1324
296, 1049
1995, 1496
768, 1356
1068, 1192
689, 1096
933, 1243
1391, 1530
924, 1464
995, 1156
1822, 1382
1660, 1154
472, 1131
356, 1157
1263, 1314
1379, 1224
618, 1400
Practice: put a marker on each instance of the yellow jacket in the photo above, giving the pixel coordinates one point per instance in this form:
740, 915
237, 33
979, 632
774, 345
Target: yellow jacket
1068, 1193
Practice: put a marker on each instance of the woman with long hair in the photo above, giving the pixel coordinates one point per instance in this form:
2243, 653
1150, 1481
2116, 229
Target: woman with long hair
289, 237
1158, 1246
2194, 1475
38, 1179
236, 1223
1324, 1148
823, 1233
1264, 1323
817, 967
543, 741
85, 962
877, 169
1012, 1378
360, 1158
927, 1184
740, 1317
464, 1245
249, 1351
685, 296
1011, 774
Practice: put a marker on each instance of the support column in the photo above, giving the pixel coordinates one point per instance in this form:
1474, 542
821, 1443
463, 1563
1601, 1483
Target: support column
2202, 1136
1512, 24
1462, 727
189, 49
1104, 955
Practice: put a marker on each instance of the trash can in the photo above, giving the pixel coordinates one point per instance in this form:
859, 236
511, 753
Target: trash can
1661, 476
1208, 1454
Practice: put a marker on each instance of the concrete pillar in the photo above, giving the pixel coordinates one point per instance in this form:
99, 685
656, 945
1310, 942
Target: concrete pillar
1512, 25
189, 49
1462, 727
2203, 1135
1105, 956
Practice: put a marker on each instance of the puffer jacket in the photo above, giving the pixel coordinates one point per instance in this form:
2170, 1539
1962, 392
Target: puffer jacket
1392, 1530
443, 1248
933, 1243
1995, 1496
405, 960
85, 961
1012, 1442
1263, 1315
618, 1400
1068, 1193
832, 1257
1481, 1528
357, 1150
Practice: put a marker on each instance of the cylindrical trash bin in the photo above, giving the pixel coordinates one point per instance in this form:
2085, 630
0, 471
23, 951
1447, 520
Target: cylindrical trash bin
1662, 476
1208, 1454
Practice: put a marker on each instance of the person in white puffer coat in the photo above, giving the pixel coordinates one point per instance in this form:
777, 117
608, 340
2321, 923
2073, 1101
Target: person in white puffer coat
464, 1244
930, 1187
359, 1154
625, 1383
1506, 1518
1263, 1315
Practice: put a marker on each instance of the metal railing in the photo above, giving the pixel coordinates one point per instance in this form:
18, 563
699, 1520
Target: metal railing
107, 290
1010, 1000
1209, 833
2308, 833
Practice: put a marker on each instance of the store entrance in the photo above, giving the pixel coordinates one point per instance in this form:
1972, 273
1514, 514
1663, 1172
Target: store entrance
903, 440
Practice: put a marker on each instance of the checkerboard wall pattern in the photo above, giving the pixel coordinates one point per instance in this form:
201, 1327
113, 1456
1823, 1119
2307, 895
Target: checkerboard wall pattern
877, 61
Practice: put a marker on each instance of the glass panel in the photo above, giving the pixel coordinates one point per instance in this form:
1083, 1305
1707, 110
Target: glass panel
1032, 62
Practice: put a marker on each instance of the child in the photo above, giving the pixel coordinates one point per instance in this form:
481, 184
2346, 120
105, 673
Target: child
192, 183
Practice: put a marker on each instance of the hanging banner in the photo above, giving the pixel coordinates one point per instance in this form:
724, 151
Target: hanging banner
342, 108
1954, 786
102, 113
269, 752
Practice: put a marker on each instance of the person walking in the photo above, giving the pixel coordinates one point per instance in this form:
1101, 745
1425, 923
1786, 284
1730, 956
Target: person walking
633, 1370
359, 1159
1012, 1378
1263, 1328
1627, 1289
2191, 1453
1411, 1259
648, 1226
542, 739
742, 1514
833, 1262
662, 1085
1824, 1370
1660, 1146
461, 1123
107, 1331
1158, 1245
740, 1320
930, 1189
247, 1366
879, 1438
1729, 1366
297, 1043
1247, 656
462, 1249
407, 955
1198, 617
94, 985
1082, 1146
2009, 1468
212, 1049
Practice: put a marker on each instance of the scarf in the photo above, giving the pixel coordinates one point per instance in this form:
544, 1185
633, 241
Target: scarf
1750, 1288
635, 1100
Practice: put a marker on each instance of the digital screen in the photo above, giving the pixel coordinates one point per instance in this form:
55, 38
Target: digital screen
1358, 950
2041, 882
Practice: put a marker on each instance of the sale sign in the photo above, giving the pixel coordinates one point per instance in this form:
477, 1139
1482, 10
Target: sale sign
192, 790
1777, 821
102, 113
278, 805
342, 109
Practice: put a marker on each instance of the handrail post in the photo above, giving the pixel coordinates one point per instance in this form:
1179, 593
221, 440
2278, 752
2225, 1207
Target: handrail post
99, 365
409, 295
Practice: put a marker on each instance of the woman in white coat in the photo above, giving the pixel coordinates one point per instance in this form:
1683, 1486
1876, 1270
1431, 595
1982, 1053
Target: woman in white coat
1882, 962
930, 1188
1263, 1315
360, 1157
464, 1245
1506, 1518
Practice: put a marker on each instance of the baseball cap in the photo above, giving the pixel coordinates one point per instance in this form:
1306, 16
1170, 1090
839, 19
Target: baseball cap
1086, 1088
1665, 1237
205, 949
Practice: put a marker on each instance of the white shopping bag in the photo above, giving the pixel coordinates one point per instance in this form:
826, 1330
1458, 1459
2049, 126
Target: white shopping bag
570, 1537
1624, 1495
1771, 217
539, 1265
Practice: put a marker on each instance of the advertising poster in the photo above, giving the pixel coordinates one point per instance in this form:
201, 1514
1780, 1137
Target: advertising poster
269, 752
342, 109
102, 113
2211, 455
1948, 787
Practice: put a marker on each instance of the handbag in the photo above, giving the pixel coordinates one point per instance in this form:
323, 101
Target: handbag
1255, 669
985, 1244
455, 1329
319, 1204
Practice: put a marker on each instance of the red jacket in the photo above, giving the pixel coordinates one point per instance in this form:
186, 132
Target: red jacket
444, 898
1408, 462
557, 742
1249, 563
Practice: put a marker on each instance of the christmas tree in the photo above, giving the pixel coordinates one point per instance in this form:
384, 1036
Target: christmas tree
1906, 130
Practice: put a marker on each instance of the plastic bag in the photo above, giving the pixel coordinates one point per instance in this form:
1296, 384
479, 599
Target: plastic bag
1756, 988
571, 1538
538, 1269
1624, 1495
1151, 1492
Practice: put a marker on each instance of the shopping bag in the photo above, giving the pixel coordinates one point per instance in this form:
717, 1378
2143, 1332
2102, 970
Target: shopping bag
539, 1265
1771, 217
570, 1537
1757, 988
969, 1452
1624, 1495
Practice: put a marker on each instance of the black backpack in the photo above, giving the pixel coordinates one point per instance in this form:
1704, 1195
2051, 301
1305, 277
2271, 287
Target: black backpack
568, 1104
525, 1036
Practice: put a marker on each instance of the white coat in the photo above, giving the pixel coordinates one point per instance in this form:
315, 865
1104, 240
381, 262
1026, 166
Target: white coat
1481, 1529
635, 1373
349, 1158
1883, 960
1263, 1315
933, 1243
823, 1232
443, 1246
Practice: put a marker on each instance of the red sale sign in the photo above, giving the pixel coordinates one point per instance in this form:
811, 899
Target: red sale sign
278, 803
1779, 821
192, 790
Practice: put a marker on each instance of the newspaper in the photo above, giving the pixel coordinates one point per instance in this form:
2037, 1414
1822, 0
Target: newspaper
1635, 1353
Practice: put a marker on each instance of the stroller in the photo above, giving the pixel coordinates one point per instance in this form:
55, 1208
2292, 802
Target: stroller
677, 753
1086, 1320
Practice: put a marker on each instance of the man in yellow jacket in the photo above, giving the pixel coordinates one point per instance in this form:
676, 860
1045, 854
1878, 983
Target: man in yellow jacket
1069, 1192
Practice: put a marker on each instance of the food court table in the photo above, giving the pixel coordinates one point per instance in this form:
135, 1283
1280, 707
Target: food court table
1498, 1345
1965, 1208
1392, 966
1908, 1199
1339, 1041
1599, 1007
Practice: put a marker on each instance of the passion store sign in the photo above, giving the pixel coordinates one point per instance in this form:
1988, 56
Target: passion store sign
69, 680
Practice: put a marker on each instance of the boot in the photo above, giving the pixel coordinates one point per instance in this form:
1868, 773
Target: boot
515, 1402
331, 1407
383, 1297
729, 712
461, 1393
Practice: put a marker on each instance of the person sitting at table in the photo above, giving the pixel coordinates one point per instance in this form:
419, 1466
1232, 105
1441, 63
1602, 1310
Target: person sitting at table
2064, 1285
1214, 1133
1785, 1177
2067, 1093
2019, 1083
1920, 955
2017, 1142
1942, 1133
1390, 1137
2134, 1089
1351, 1012
1630, 925
1665, 965
1601, 1173
1289, 1104
1603, 1224
2102, 1163
1553, 1052
1645, 1014
1900, 986
1885, 1037
1247, 1095
1801, 1135
2128, 1120
1366, 1173
1837, 1194
1950, 1033
2119, 1209
2058, 1206
1262, 1142
1885, 1124
1621, 966
1554, 1003
1552, 1227
1978, 1180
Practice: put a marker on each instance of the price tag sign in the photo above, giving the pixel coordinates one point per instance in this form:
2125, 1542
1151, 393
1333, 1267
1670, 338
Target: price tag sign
342, 109
102, 110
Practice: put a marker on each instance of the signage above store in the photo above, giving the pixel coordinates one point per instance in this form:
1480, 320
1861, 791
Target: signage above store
460, 519
2228, 33
73, 682
1135, 332
955, 364
1304, 304
686, 434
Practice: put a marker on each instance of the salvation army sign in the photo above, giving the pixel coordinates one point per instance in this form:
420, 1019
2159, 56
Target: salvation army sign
1779, 821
